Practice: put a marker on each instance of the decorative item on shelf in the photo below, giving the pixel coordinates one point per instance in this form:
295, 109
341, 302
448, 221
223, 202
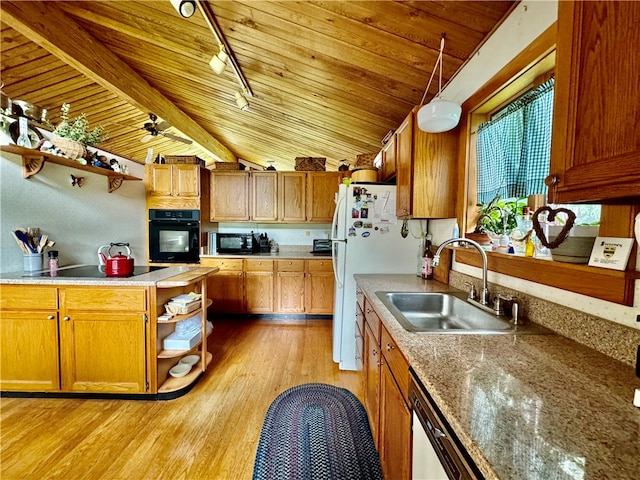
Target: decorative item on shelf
310, 164
344, 166
439, 115
226, 166
498, 217
184, 160
72, 137
270, 167
365, 160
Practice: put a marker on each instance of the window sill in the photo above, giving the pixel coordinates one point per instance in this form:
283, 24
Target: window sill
610, 285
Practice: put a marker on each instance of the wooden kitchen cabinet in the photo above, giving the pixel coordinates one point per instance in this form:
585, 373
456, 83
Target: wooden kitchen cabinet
425, 171
292, 196
386, 390
230, 199
264, 196
290, 291
103, 332
388, 170
74, 339
177, 186
321, 190
29, 338
319, 286
226, 287
258, 286
595, 149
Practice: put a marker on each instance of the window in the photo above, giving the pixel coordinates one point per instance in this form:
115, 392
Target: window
514, 147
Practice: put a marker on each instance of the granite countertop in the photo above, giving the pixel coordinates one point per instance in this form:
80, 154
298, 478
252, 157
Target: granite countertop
146, 279
526, 406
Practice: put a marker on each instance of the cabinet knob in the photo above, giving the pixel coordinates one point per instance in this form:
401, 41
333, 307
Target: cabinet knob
380, 363
551, 180
374, 352
66, 319
390, 347
51, 317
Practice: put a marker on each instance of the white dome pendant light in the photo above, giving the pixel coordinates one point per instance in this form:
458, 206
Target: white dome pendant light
439, 115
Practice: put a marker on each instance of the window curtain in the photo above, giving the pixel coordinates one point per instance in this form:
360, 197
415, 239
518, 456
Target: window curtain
514, 147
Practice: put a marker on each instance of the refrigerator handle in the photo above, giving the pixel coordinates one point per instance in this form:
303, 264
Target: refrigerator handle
334, 223
334, 260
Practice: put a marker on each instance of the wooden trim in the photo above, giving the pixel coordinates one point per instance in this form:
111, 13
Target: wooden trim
610, 285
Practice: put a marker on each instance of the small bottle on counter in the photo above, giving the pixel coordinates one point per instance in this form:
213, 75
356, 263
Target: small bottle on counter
427, 260
53, 260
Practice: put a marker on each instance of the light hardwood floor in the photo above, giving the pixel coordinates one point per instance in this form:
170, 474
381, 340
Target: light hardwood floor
210, 433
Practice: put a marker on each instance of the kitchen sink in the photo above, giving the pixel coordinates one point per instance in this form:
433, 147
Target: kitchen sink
448, 313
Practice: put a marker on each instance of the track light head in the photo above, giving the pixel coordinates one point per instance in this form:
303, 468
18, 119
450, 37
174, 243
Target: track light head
219, 61
185, 8
241, 100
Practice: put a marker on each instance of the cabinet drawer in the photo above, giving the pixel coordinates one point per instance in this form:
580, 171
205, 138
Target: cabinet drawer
28, 296
107, 298
320, 265
224, 264
371, 317
397, 363
290, 265
360, 298
251, 265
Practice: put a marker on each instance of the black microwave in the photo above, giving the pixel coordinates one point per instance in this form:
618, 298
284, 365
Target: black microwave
236, 243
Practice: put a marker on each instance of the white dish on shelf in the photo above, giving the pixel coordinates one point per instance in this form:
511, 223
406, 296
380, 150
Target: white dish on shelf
190, 360
180, 370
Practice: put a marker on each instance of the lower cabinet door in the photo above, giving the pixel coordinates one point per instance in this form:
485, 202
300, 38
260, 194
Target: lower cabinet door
29, 351
395, 429
258, 292
290, 292
226, 291
372, 381
103, 352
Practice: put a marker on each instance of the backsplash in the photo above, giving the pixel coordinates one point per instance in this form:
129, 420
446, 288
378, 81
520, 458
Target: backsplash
610, 338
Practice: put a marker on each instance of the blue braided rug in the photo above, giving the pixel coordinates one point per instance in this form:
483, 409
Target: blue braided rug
316, 431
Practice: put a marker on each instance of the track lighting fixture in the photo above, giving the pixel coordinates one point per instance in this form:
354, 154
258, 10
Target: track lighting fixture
219, 61
241, 100
185, 8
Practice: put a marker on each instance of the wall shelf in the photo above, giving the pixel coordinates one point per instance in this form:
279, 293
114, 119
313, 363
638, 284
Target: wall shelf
33, 161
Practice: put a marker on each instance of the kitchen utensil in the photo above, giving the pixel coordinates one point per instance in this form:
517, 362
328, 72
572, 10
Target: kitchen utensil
116, 265
24, 238
20, 243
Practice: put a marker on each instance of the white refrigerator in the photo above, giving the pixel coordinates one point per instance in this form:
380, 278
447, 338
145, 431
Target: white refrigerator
366, 238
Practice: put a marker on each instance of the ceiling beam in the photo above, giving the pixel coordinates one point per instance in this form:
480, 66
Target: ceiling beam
48, 26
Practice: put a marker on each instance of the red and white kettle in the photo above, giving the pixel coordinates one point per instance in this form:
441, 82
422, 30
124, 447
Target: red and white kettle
116, 265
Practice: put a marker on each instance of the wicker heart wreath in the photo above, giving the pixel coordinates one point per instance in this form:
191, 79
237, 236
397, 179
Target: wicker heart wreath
571, 218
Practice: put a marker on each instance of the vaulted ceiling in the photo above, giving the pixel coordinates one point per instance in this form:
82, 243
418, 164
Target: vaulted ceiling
329, 78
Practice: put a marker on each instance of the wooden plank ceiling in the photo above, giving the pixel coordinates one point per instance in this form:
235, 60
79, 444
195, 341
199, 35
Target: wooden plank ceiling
330, 78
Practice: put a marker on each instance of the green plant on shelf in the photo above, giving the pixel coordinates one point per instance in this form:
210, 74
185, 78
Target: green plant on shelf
78, 129
500, 216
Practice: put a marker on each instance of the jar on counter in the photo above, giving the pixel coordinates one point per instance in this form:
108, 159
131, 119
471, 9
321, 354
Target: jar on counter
53, 260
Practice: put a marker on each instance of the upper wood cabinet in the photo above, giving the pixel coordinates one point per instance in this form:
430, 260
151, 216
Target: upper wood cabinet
292, 196
229, 196
388, 169
595, 151
176, 186
321, 190
425, 171
264, 196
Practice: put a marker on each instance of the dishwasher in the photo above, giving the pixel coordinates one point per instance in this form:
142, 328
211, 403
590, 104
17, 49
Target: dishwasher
436, 452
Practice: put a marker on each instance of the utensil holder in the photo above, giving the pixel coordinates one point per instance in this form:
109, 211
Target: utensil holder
32, 262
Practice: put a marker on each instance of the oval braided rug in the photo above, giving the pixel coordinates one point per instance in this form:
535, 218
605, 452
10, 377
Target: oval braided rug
316, 431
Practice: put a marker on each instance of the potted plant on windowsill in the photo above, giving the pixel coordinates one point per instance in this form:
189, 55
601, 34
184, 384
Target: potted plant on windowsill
497, 219
72, 137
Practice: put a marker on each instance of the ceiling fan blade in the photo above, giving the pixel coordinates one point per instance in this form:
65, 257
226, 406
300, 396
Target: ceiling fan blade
146, 138
163, 125
177, 138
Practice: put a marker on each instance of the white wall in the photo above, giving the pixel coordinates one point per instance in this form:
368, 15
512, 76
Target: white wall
529, 19
79, 220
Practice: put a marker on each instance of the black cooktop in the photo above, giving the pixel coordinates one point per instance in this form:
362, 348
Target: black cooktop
88, 271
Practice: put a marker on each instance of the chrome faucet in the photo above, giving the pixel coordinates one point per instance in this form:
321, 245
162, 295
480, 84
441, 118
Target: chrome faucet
484, 293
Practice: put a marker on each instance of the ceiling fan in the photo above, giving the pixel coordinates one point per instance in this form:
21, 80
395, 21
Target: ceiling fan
155, 128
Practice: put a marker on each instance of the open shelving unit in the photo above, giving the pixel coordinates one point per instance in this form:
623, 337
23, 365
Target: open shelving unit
34, 160
193, 280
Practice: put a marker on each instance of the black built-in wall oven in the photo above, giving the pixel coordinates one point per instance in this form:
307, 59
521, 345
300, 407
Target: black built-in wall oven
174, 236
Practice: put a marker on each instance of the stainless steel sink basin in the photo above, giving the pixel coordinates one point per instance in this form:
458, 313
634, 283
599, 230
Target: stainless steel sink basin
422, 312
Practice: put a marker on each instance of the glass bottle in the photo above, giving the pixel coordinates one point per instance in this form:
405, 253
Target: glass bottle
427, 261
23, 139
